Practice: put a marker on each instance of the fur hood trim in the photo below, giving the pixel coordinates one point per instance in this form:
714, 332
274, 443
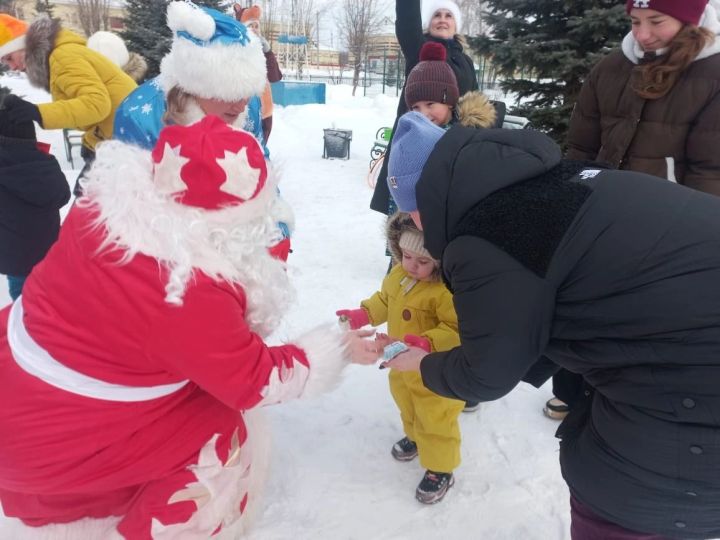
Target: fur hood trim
39, 43
228, 245
475, 110
397, 224
136, 67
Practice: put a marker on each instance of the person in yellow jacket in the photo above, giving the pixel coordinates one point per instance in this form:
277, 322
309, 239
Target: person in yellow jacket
418, 309
86, 87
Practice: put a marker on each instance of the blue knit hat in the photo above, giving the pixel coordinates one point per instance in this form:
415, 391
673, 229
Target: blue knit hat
412, 142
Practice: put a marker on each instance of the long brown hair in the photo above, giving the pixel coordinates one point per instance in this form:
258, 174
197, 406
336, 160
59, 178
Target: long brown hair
654, 79
177, 100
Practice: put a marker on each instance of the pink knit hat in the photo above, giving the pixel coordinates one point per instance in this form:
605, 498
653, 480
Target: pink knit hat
687, 11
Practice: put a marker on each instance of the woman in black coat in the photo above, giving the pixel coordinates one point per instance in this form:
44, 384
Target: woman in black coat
32, 191
443, 27
613, 275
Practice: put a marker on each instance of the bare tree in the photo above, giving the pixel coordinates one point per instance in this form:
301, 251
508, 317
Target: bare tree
93, 15
358, 20
472, 16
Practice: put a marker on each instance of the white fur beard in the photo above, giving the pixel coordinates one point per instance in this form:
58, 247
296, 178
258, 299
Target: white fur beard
229, 245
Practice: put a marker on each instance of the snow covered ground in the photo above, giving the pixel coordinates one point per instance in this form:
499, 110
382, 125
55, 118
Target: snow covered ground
332, 476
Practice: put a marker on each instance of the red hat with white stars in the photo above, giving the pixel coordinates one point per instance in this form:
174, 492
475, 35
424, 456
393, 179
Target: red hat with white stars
209, 164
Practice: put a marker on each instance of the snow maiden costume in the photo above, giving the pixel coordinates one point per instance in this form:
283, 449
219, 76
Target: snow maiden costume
126, 398
212, 56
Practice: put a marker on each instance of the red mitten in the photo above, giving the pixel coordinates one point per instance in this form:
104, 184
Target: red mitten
417, 341
357, 318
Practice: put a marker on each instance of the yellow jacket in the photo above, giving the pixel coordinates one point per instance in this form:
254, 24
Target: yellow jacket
425, 310
86, 88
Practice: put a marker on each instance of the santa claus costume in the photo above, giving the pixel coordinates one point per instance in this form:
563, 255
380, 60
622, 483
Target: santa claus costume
131, 361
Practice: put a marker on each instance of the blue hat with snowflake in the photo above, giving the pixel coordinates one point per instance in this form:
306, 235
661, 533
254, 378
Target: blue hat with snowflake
212, 56
412, 142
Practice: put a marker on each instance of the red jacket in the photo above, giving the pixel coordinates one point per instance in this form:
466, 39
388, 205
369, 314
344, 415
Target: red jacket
66, 456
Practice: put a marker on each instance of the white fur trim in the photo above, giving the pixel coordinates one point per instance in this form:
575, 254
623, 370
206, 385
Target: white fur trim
185, 16
229, 245
13, 45
216, 71
110, 45
326, 352
433, 5
259, 443
710, 21
284, 384
283, 213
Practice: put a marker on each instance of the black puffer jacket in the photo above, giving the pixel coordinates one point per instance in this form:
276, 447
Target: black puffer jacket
32, 191
408, 28
611, 274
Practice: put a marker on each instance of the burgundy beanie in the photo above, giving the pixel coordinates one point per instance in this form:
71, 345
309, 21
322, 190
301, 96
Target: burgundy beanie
432, 79
687, 11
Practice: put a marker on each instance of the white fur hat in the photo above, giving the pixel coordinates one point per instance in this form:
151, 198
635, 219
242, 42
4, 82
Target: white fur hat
212, 56
110, 45
431, 6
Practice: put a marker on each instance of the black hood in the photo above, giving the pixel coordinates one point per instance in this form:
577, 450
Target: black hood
467, 165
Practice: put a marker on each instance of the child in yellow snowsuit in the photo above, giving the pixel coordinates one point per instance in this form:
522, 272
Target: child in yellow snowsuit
418, 309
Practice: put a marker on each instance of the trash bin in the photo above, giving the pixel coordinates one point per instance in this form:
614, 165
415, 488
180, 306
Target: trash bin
337, 143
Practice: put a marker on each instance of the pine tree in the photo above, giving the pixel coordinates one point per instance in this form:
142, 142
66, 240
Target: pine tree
146, 30
545, 48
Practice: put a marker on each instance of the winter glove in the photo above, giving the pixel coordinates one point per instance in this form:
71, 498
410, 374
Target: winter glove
357, 318
19, 111
418, 341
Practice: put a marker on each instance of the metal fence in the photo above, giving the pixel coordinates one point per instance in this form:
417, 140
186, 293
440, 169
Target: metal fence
386, 75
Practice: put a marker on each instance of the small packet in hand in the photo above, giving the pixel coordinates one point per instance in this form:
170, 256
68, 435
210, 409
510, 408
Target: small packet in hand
392, 350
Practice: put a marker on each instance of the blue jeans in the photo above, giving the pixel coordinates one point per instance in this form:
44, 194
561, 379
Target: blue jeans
15, 285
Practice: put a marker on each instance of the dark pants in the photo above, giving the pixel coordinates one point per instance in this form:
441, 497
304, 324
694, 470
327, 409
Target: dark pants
585, 525
89, 157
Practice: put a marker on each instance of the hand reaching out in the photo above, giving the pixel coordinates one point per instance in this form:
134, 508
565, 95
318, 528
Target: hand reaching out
360, 349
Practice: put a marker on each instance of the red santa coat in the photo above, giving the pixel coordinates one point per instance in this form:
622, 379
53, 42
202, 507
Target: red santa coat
141, 416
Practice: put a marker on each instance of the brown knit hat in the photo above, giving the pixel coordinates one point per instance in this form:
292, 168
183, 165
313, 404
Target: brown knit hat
432, 79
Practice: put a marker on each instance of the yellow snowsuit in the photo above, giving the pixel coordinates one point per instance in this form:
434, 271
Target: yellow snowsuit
426, 310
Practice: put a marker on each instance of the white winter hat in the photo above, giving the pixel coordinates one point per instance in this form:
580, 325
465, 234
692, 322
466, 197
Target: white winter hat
110, 45
431, 6
213, 56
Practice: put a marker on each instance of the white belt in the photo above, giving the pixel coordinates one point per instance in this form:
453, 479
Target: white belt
35, 360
